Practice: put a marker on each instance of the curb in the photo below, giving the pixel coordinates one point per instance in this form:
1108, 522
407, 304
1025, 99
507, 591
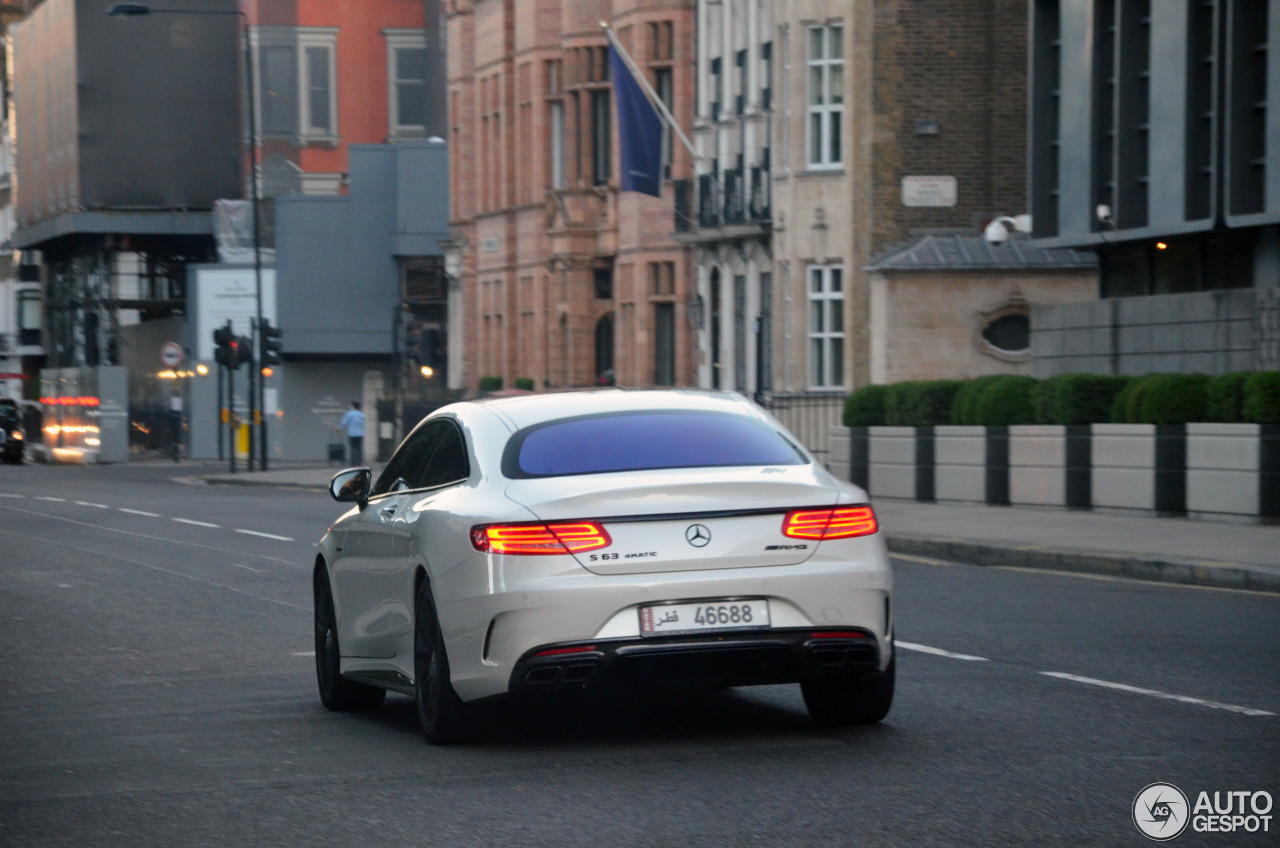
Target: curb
1186, 573
248, 480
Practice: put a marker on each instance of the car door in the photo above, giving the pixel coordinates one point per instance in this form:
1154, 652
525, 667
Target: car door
377, 546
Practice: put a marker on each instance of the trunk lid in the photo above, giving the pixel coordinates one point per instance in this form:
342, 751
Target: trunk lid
683, 520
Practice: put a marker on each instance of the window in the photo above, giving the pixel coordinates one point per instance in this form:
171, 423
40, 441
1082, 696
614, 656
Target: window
664, 87
603, 279
297, 95
826, 95
433, 456
826, 327
557, 144
406, 83
664, 344
601, 140
637, 441
663, 275
29, 317
1010, 333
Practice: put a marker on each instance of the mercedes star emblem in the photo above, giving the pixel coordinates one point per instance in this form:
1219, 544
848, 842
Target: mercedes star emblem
697, 535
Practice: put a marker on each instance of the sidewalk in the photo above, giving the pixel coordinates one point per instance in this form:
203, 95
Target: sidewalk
1166, 550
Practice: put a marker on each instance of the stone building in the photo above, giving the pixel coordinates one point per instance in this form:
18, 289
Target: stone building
565, 280
830, 132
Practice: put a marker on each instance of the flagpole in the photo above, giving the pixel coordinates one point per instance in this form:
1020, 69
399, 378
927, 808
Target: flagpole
654, 99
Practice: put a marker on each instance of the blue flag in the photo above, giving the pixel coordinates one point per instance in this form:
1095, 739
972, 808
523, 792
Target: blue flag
639, 131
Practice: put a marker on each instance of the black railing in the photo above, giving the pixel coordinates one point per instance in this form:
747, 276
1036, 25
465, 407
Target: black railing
735, 197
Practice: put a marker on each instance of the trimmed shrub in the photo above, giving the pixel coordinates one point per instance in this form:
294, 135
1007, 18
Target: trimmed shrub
1262, 398
1173, 399
490, 384
900, 402
1224, 397
964, 405
1077, 398
1006, 400
525, 383
1125, 408
865, 407
920, 403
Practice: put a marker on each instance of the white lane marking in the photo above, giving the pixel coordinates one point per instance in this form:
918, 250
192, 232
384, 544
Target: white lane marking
16, 497
196, 523
304, 653
925, 649
246, 568
266, 535
914, 558
139, 512
1155, 693
51, 500
95, 505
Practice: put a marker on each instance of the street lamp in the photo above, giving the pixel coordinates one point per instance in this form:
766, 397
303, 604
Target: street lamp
134, 10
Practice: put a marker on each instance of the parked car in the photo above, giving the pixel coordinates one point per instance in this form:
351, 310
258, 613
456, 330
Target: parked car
600, 540
12, 439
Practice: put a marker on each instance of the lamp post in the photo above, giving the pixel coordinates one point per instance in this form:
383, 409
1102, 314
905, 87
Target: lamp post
134, 10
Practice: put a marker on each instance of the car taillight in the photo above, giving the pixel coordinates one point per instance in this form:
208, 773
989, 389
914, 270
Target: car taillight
535, 539
842, 523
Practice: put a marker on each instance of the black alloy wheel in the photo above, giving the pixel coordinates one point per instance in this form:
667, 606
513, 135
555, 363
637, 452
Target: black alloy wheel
444, 718
842, 701
336, 692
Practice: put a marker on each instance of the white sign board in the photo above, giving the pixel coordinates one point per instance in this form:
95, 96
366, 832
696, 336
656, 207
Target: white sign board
228, 293
928, 191
270, 401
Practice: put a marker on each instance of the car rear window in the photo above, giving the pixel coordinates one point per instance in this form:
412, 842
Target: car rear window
637, 441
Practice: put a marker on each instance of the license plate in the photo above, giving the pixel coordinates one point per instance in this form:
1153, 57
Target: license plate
664, 619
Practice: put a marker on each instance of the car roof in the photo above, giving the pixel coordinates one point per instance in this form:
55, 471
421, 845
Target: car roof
528, 410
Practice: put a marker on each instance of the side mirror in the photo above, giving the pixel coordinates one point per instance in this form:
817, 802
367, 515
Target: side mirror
351, 486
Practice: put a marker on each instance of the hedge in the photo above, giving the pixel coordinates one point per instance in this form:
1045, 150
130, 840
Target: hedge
1262, 398
964, 406
1224, 397
490, 384
525, 383
920, 403
1077, 398
1006, 400
865, 407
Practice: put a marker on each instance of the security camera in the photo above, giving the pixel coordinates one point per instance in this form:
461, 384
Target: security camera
996, 233
1104, 213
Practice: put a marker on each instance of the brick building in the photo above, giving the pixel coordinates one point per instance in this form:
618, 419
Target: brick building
565, 281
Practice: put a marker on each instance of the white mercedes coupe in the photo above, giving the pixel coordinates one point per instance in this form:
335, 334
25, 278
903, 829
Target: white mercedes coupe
595, 541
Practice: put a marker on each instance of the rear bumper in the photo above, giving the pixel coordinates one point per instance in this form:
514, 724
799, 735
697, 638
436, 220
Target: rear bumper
745, 658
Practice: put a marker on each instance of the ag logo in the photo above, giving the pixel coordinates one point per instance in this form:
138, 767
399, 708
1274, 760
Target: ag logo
1161, 812
697, 535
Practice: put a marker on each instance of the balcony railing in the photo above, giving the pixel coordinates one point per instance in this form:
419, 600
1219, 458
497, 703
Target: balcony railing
730, 198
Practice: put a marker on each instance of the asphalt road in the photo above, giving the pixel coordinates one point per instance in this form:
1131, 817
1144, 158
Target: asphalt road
157, 688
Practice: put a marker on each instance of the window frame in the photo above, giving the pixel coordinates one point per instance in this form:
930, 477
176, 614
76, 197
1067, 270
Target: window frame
819, 370
419, 434
830, 155
398, 40
299, 41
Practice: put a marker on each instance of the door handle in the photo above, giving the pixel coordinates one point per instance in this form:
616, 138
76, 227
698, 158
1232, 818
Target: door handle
387, 512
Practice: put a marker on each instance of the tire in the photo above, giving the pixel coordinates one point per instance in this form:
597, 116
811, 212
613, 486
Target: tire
336, 692
444, 718
842, 701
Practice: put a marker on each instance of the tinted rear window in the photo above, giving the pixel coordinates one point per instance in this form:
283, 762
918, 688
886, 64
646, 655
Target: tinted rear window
647, 440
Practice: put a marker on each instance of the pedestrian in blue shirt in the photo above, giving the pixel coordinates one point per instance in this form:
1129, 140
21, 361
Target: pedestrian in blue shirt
352, 423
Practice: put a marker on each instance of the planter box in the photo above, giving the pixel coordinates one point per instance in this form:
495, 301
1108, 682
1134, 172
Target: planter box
1224, 467
892, 462
1038, 465
1140, 467
960, 471
838, 444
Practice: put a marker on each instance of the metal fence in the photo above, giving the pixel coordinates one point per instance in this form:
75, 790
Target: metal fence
809, 416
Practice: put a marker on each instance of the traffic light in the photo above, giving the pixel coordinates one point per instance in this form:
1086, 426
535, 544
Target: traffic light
271, 344
223, 340
243, 350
